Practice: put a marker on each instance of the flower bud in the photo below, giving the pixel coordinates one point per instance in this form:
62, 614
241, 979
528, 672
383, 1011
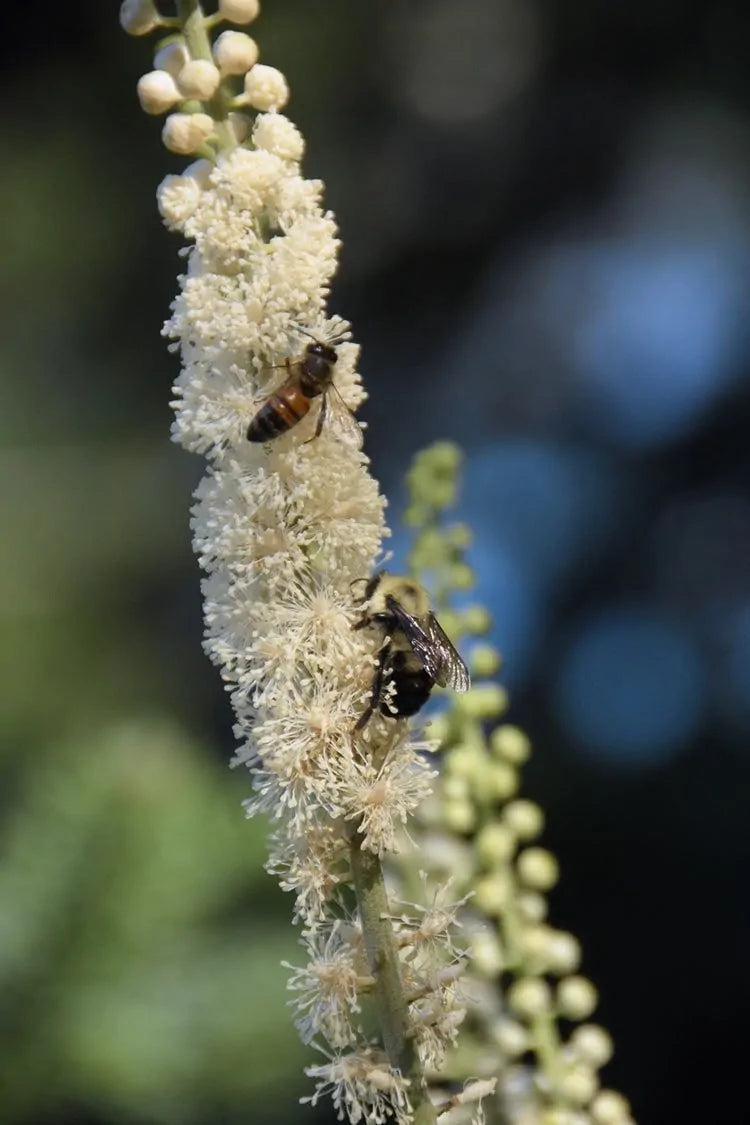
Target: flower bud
172, 56
495, 845
510, 1037
475, 619
563, 952
465, 761
139, 17
537, 868
557, 1115
524, 819
442, 456
529, 997
266, 88
510, 743
157, 92
576, 998
501, 781
184, 133
485, 660
199, 79
483, 701
461, 576
592, 1044
239, 11
459, 815
459, 535
234, 52
534, 943
609, 1108
579, 1085
486, 953
532, 906
491, 893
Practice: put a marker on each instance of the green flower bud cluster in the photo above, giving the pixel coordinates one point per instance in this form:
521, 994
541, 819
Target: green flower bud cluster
530, 968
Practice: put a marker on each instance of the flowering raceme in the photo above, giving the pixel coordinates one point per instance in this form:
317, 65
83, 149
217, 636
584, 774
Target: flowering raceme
283, 531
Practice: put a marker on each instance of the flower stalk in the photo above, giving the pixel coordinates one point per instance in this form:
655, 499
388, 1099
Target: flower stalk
385, 964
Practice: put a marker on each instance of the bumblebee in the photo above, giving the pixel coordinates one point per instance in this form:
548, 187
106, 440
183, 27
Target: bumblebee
309, 376
415, 654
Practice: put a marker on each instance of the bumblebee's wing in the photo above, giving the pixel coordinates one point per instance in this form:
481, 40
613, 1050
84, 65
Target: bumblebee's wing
340, 419
431, 645
452, 672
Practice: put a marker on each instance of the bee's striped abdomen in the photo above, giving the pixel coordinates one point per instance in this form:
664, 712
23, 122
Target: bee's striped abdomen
278, 414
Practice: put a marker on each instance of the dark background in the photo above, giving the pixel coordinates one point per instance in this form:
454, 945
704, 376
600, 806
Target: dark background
546, 218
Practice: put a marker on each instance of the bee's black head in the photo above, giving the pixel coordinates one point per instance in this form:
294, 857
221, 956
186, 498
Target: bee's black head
322, 351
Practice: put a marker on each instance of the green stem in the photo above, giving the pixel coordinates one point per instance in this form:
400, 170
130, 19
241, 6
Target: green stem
383, 959
194, 28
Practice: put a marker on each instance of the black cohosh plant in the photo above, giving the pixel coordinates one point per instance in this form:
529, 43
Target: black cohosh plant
283, 531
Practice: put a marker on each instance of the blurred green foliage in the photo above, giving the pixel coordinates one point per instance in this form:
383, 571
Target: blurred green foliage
139, 939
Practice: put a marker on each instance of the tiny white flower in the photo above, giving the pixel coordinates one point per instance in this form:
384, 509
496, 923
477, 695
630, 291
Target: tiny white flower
276, 133
363, 1087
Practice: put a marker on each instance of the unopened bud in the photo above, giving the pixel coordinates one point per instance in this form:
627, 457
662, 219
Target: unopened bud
184, 133
592, 1044
239, 11
172, 56
510, 743
199, 79
495, 844
139, 17
576, 998
266, 88
609, 1108
537, 868
157, 92
529, 997
524, 819
234, 52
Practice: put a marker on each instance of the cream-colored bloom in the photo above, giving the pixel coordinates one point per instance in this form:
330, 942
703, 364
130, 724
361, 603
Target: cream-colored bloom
327, 997
363, 1087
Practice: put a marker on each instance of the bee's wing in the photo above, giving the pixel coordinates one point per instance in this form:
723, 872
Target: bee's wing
340, 420
431, 645
452, 672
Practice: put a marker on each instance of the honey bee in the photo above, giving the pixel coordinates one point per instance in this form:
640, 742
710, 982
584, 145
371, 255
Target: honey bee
415, 654
309, 376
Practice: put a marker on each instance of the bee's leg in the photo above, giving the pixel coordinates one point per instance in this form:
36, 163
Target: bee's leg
377, 687
321, 420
